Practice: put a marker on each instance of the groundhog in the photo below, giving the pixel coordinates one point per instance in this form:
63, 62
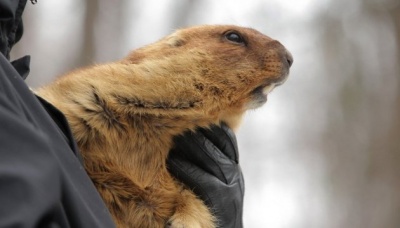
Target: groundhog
125, 114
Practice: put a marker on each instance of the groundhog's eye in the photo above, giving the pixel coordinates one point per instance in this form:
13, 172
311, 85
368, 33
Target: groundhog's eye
234, 37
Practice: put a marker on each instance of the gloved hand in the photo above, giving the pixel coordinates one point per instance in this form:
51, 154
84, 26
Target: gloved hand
206, 161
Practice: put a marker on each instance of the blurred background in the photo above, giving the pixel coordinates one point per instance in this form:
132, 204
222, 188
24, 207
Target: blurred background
324, 151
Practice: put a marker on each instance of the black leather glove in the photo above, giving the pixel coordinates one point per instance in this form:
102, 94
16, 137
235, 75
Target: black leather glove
207, 162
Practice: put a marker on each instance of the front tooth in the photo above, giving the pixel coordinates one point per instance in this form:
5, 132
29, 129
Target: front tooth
268, 89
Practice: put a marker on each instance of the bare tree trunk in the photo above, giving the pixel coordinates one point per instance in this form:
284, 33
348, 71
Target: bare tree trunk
182, 11
87, 50
362, 146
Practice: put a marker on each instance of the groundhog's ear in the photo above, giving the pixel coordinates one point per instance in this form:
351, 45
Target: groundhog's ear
175, 41
133, 58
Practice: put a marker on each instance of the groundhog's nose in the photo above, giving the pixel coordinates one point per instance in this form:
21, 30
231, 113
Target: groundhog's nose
283, 53
289, 58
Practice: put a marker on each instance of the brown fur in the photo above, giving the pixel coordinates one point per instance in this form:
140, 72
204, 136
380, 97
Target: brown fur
124, 115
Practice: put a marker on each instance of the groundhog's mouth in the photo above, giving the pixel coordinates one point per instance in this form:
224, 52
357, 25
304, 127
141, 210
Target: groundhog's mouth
259, 96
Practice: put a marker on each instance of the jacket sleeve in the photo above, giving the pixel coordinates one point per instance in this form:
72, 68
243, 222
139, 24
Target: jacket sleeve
42, 182
28, 177
207, 162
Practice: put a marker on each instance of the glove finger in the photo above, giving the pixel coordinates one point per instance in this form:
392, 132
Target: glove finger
224, 139
194, 178
225, 200
198, 150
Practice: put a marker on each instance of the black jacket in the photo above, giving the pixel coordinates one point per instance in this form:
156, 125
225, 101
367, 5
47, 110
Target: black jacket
42, 180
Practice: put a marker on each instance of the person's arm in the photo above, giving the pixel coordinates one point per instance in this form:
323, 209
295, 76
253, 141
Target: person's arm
28, 176
42, 182
207, 162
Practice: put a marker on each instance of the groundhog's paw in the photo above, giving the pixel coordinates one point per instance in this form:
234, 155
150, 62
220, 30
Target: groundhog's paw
181, 221
191, 212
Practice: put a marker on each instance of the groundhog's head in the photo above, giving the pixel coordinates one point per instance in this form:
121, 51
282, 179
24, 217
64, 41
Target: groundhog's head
232, 65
